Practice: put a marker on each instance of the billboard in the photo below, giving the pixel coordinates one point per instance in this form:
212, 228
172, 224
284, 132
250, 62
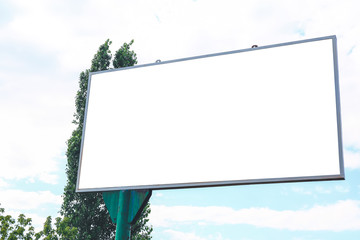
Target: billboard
258, 115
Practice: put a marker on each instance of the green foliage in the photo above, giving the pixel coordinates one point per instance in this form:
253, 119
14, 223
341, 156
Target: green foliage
101, 60
62, 231
11, 229
87, 211
81, 98
124, 57
140, 230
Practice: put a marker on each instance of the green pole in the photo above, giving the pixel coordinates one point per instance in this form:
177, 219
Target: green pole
122, 223
125, 207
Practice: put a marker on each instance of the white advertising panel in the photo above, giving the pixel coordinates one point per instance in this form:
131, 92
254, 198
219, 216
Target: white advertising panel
266, 114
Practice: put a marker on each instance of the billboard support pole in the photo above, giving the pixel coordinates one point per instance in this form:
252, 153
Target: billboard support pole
125, 207
122, 224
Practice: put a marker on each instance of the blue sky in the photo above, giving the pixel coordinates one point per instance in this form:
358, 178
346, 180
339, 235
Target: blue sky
44, 45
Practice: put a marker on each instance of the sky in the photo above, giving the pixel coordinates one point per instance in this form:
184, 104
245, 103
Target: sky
44, 45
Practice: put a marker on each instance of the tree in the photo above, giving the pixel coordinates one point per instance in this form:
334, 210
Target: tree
62, 231
11, 229
87, 211
140, 230
124, 57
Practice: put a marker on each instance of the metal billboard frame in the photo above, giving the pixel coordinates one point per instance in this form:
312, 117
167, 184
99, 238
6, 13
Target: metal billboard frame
340, 176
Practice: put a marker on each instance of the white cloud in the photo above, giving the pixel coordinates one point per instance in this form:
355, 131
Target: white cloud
3, 183
15, 200
178, 235
157, 194
342, 189
314, 191
37, 111
352, 159
322, 190
340, 216
34, 132
301, 190
34, 205
37, 108
336, 188
171, 30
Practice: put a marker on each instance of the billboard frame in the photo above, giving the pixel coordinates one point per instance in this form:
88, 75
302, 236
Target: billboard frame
340, 176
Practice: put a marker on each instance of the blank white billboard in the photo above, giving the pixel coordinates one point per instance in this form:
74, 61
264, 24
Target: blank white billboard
267, 114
